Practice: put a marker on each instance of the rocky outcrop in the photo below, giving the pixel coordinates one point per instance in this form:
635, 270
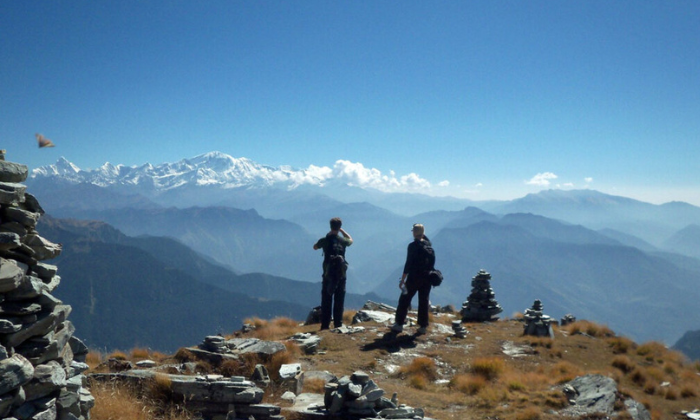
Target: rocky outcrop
597, 394
213, 397
41, 362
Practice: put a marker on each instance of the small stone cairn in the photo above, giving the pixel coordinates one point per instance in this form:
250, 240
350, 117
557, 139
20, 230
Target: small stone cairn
567, 319
458, 328
359, 397
481, 305
536, 323
41, 362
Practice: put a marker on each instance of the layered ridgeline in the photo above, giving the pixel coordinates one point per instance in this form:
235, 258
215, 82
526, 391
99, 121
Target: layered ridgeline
41, 362
610, 259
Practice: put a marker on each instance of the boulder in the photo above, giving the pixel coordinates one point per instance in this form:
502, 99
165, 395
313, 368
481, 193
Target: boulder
13, 172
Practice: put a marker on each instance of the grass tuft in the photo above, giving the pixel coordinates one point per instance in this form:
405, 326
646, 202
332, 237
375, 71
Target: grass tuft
488, 367
467, 384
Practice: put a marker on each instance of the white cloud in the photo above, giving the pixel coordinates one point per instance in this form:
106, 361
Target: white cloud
444, 183
541, 179
479, 185
356, 174
588, 180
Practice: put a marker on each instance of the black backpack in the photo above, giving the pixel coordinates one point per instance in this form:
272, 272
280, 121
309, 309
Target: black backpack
334, 252
425, 261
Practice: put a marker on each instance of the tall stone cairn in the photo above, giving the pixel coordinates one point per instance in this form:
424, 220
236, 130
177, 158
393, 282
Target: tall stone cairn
481, 304
41, 363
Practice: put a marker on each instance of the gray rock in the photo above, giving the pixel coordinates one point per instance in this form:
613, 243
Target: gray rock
289, 396
289, 371
637, 410
29, 288
32, 204
267, 348
46, 322
593, 394
14, 372
9, 240
45, 271
13, 172
19, 308
44, 249
48, 378
365, 315
7, 327
11, 276
25, 218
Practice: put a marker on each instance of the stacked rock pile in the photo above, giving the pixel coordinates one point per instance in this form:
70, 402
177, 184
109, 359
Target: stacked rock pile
567, 319
357, 396
41, 363
458, 328
213, 397
536, 322
481, 304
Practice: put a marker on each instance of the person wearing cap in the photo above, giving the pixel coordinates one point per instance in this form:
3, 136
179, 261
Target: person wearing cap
417, 282
333, 285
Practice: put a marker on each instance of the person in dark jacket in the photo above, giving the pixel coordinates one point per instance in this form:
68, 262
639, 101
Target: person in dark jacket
417, 271
334, 278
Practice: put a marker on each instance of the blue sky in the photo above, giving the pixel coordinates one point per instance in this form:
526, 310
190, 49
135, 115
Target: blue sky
480, 99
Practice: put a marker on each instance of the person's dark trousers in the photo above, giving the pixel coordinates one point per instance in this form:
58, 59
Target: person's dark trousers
422, 287
332, 302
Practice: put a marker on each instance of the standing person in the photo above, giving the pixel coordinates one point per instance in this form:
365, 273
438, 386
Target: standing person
334, 269
420, 259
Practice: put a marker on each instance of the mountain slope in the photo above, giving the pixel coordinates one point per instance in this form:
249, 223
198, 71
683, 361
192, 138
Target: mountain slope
595, 279
686, 241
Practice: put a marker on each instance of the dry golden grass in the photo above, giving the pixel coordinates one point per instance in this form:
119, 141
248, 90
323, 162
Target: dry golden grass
468, 384
530, 413
590, 328
520, 387
488, 367
314, 385
621, 345
420, 372
94, 359
115, 401
118, 355
623, 363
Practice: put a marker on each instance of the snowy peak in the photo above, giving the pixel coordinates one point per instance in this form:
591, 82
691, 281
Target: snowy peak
212, 169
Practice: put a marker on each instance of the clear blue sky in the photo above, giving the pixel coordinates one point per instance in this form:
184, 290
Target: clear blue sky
486, 95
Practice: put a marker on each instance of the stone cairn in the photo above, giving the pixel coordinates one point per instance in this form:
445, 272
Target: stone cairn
41, 362
536, 323
567, 319
357, 396
481, 305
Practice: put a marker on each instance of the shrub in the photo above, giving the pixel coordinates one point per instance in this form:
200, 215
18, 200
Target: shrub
565, 372
530, 413
94, 359
420, 372
467, 384
488, 367
621, 345
623, 363
688, 391
118, 355
651, 348
639, 377
671, 394
139, 354
650, 387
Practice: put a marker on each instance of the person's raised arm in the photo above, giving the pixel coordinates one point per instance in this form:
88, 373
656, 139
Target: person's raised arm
345, 234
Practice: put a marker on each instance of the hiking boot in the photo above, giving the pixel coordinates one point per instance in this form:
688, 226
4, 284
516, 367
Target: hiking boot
422, 330
397, 328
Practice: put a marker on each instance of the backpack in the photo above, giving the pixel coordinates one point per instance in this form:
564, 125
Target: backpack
425, 260
333, 251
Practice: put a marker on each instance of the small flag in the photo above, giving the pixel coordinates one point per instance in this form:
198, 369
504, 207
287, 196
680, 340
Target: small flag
43, 141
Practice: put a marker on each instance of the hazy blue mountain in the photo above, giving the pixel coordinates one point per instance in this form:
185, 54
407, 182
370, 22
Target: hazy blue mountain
689, 344
237, 238
123, 297
128, 291
686, 241
595, 210
628, 240
640, 295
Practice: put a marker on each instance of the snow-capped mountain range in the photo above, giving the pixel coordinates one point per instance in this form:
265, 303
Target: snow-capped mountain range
214, 168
